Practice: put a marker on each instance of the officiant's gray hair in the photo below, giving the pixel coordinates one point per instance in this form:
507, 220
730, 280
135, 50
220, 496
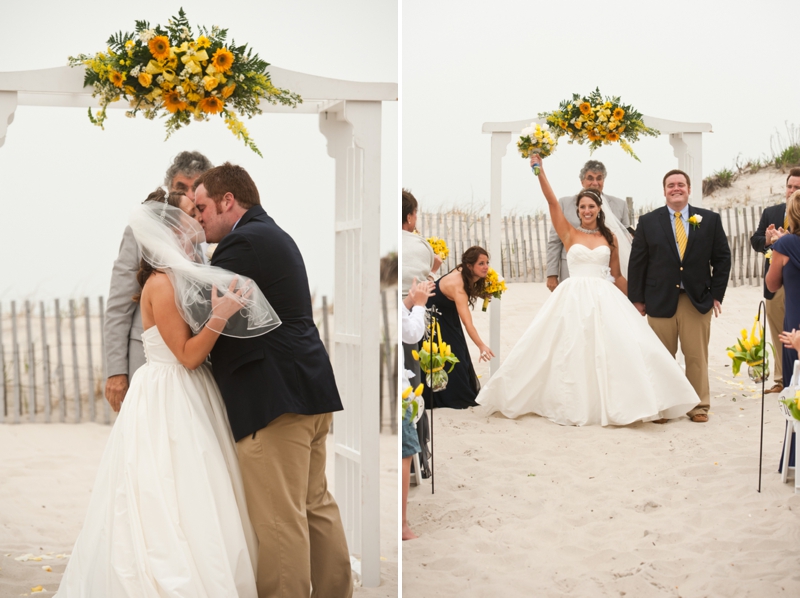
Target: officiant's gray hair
191, 164
593, 166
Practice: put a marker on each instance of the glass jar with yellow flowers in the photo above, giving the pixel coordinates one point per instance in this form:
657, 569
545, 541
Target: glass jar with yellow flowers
433, 356
752, 351
793, 404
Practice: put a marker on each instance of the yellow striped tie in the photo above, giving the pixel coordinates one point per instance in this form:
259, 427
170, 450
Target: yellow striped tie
680, 234
786, 222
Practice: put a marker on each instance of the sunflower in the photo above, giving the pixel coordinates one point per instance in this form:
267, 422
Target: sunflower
593, 136
618, 114
116, 78
612, 136
172, 102
562, 124
222, 60
585, 108
159, 47
211, 105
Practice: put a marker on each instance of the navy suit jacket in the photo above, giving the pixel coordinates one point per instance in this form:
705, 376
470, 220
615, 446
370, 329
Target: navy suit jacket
772, 215
286, 370
655, 270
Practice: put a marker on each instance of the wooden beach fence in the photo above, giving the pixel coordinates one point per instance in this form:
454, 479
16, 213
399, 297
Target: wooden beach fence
524, 241
42, 383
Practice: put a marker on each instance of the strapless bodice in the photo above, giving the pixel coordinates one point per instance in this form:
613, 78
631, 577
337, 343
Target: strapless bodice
155, 349
588, 263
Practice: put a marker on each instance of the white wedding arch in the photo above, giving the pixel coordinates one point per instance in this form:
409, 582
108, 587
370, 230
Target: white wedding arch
686, 140
349, 116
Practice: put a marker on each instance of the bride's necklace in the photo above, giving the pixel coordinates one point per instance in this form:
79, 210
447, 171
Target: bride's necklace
593, 231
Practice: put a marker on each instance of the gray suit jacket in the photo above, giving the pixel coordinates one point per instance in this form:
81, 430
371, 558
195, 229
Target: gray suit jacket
556, 256
122, 332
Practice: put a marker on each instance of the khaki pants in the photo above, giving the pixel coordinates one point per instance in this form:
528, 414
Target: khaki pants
776, 309
694, 330
300, 534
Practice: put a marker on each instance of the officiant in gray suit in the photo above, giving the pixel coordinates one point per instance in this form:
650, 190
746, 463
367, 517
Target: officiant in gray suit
122, 332
593, 176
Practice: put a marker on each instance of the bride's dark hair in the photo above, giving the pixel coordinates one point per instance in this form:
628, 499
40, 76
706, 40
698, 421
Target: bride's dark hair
470, 257
601, 217
145, 269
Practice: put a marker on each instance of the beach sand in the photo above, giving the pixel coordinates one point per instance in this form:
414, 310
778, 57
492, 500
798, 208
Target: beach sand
530, 508
46, 477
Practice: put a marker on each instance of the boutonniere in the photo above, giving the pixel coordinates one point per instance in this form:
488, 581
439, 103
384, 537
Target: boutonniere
695, 220
210, 250
768, 255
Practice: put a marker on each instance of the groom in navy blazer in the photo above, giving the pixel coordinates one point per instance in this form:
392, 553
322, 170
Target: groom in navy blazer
677, 275
280, 392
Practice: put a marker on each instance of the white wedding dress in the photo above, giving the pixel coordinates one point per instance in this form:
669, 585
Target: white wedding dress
589, 357
167, 516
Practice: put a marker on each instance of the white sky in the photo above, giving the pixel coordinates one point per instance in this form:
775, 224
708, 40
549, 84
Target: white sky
68, 187
733, 64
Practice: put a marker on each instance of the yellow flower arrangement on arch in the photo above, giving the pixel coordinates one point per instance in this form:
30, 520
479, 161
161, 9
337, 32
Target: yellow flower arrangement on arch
598, 121
162, 70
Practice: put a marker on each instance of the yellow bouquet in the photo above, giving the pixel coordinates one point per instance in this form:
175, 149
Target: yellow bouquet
191, 77
433, 357
793, 404
534, 140
410, 402
752, 352
495, 287
439, 247
598, 121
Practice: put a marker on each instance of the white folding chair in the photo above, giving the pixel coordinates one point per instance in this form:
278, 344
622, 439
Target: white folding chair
792, 426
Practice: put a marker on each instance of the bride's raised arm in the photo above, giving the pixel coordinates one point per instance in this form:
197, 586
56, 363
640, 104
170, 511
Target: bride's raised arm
563, 228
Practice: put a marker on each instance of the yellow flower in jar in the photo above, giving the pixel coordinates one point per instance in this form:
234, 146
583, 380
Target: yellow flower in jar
415, 355
418, 390
407, 392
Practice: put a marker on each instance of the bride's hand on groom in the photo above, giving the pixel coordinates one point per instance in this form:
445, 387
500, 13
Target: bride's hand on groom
230, 302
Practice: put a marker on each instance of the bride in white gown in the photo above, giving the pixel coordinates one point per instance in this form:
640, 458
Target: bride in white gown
167, 516
588, 356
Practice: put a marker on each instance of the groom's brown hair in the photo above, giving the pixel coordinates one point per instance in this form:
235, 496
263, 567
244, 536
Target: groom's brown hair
230, 178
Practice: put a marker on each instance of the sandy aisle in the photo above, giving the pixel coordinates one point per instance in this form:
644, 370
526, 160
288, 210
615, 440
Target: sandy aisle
529, 508
46, 477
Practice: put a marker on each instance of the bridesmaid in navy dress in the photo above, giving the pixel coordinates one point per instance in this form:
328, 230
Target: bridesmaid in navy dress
455, 295
784, 270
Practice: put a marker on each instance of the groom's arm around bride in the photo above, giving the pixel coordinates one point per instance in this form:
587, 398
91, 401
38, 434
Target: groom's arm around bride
677, 275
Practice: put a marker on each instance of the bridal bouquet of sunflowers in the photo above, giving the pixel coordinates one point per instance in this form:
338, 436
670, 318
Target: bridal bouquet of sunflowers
751, 351
439, 247
433, 356
598, 121
495, 287
535, 140
160, 70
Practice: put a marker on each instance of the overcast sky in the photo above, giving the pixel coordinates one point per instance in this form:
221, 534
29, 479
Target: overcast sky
729, 63
68, 187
